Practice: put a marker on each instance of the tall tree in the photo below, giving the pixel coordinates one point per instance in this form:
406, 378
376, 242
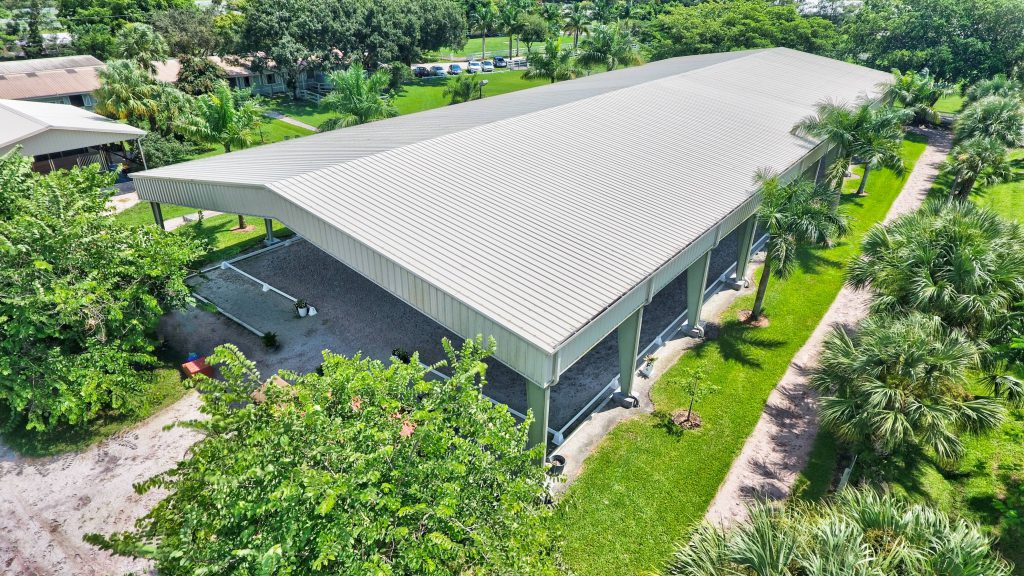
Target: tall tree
126, 92
577, 21
900, 383
140, 44
484, 20
189, 31
867, 130
509, 17
918, 92
358, 98
80, 296
555, 64
854, 533
992, 117
198, 75
793, 214
976, 159
610, 46
364, 468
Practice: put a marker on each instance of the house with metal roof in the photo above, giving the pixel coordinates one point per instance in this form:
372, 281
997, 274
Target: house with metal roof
62, 136
59, 80
617, 184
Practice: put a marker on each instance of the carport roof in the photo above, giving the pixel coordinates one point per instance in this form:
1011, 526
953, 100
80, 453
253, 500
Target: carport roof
43, 128
537, 211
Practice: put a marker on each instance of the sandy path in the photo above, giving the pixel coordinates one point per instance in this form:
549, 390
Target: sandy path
778, 448
48, 504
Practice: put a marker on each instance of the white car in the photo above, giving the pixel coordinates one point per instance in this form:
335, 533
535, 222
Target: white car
487, 66
473, 67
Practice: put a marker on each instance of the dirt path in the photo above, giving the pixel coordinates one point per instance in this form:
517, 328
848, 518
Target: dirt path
48, 504
778, 448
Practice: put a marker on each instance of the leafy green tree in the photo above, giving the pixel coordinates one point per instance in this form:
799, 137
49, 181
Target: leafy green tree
900, 383
793, 214
80, 296
358, 98
998, 85
555, 64
854, 533
866, 130
954, 261
696, 386
723, 26
164, 150
366, 469
140, 44
976, 159
190, 31
198, 75
610, 46
484, 20
992, 117
532, 29
460, 88
918, 92
577, 21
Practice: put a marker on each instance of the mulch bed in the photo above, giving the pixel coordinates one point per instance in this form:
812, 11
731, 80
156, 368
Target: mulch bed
761, 322
680, 419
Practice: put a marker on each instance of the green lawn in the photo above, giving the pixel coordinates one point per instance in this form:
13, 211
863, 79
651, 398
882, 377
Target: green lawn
225, 240
646, 485
474, 46
142, 215
309, 112
271, 131
166, 389
950, 104
1007, 198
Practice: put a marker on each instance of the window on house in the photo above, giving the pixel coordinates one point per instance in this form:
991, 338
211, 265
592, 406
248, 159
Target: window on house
270, 79
77, 100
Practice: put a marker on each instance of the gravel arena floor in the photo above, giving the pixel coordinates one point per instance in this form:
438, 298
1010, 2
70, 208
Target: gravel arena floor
357, 316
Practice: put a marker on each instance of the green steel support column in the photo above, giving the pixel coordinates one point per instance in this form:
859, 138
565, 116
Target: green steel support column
268, 223
696, 283
629, 347
538, 400
158, 215
747, 230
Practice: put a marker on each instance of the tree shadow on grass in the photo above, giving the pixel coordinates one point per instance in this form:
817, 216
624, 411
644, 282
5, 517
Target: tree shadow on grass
736, 340
812, 260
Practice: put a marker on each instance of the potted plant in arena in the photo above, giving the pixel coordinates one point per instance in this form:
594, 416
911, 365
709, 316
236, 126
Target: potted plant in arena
301, 307
648, 365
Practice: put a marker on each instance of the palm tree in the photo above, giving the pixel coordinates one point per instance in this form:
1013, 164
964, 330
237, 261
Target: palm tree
998, 85
793, 214
854, 533
609, 46
125, 93
358, 98
484, 20
140, 44
978, 158
577, 21
224, 117
508, 17
552, 14
901, 382
867, 130
957, 262
992, 116
918, 92
556, 63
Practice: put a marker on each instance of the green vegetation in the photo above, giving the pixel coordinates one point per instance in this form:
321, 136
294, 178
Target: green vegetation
647, 480
949, 104
1007, 198
359, 468
142, 215
429, 92
224, 239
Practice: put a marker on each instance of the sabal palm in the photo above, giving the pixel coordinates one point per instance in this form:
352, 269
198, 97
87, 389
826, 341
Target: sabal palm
609, 46
976, 159
992, 117
867, 130
126, 92
141, 44
901, 382
358, 98
577, 21
917, 92
551, 12
556, 63
484, 20
793, 214
854, 533
998, 85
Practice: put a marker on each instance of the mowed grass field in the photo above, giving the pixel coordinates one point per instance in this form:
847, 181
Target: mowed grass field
647, 484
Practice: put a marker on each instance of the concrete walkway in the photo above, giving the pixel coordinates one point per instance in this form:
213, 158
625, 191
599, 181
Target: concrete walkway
289, 120
778, 448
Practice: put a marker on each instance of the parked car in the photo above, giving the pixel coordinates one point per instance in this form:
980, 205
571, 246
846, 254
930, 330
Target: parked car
473, 67
454, 69
437, 71
421, 72
487, 66
500, 62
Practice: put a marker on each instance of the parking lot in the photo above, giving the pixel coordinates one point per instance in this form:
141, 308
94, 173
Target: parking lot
357, 316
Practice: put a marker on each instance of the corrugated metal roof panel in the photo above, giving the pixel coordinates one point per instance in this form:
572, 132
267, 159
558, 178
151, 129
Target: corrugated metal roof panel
612, 177
49, 83
43, 128
43, 64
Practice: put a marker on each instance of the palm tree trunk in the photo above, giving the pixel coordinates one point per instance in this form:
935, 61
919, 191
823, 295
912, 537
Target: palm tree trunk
510, 44
762, 288
241, 222
864, 180
964, 191
483, 45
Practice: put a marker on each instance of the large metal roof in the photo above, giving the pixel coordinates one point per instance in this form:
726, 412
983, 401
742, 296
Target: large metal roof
543, 217
49, 77
42, 128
